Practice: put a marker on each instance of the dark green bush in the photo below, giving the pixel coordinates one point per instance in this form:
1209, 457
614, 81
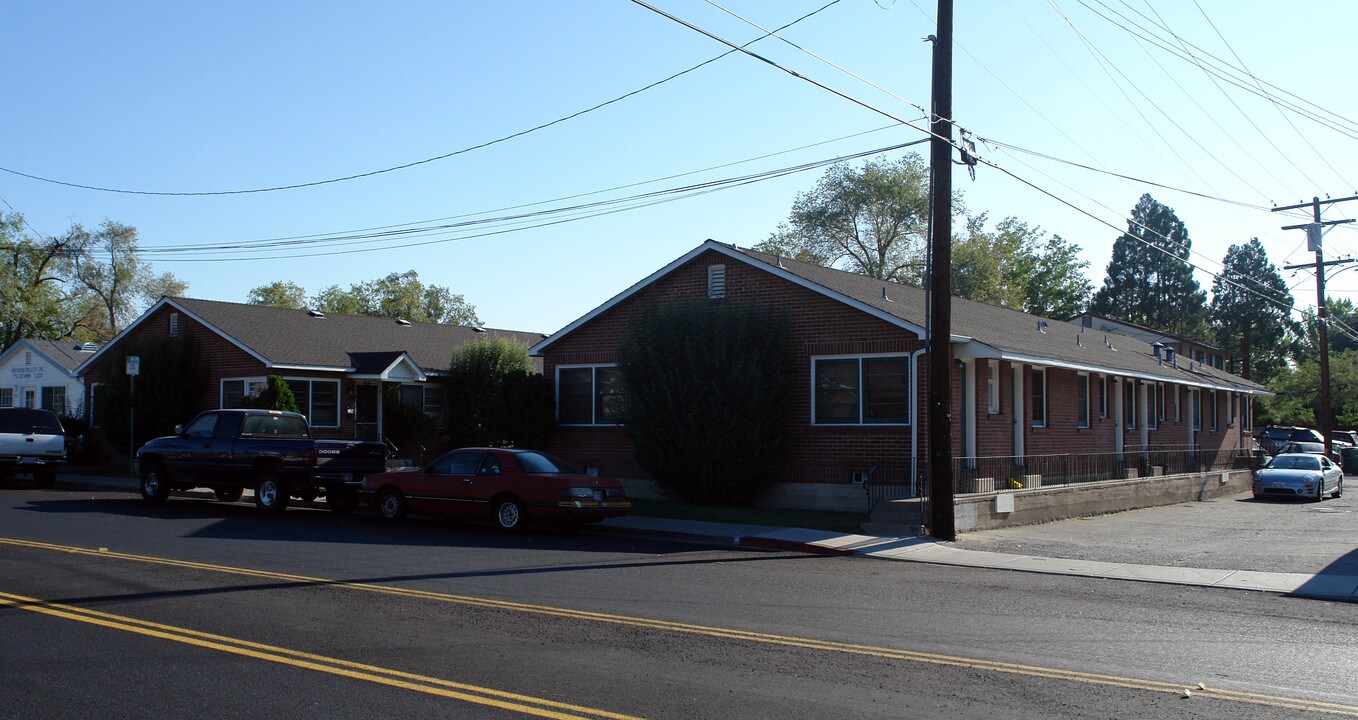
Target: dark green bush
708, 399
494, 397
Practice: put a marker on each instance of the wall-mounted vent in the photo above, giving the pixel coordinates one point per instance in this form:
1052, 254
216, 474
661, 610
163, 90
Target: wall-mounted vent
402, 322
716, 282
315, 313
174, 324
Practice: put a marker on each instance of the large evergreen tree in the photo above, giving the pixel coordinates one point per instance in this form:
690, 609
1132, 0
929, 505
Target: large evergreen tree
1252, 311
1149, 281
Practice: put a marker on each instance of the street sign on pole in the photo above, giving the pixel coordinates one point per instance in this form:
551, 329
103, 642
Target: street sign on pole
133, 369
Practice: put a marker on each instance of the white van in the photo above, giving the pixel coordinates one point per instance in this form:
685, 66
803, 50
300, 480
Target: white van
31, 441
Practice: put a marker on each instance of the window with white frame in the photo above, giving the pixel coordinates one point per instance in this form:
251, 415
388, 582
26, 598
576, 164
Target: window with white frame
871, 390
1129, 403
1082, 400
1038, 396
6, 397
993, 374
318, 400
1102, 386
54, 399
425, 397
235, 390
1230, 409
1152, 406
589, 395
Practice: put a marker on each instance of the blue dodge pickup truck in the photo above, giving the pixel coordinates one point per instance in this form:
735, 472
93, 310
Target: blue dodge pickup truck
269, 451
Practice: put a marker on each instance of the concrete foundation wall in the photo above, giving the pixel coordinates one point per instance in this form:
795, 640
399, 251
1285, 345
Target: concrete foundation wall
1045, 504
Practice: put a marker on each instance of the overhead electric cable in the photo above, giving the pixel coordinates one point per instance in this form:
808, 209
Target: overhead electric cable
405, 166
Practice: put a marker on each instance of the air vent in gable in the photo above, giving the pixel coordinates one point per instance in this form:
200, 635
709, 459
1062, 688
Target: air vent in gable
716, 282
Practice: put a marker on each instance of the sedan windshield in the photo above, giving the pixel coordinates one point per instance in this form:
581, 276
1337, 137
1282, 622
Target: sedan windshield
1295, 462
536, 462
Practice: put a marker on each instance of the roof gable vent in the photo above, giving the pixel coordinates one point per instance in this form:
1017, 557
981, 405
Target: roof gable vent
315, 313
716, 282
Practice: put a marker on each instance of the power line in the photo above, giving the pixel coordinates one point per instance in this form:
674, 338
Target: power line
416, 163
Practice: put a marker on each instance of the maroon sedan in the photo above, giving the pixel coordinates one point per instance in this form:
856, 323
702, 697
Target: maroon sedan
508, 485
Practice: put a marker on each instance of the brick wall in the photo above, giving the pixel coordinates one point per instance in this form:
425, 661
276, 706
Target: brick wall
821, 326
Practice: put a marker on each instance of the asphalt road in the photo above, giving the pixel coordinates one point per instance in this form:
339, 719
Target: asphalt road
111, 608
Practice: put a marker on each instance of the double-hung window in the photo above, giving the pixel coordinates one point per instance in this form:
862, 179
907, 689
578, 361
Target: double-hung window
861, 390
1102, 387
317, 399
425, 397
235, 390
589, 395
1212, 398
1129, 403
1082, 400
6, 397
54, 399
1038, 396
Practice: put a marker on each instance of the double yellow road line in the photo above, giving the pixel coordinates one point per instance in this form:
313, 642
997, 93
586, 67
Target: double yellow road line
491, 697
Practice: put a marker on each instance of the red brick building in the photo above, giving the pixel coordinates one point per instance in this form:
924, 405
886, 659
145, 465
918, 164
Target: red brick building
336, 365
1023, 386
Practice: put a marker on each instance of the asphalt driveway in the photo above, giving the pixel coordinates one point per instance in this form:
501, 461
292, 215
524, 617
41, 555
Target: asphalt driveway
1232, 533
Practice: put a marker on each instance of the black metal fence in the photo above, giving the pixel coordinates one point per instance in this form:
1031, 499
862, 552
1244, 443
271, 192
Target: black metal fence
909, 478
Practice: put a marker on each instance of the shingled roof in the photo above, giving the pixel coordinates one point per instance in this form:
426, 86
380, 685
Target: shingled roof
978, 330
68, 354
299, 339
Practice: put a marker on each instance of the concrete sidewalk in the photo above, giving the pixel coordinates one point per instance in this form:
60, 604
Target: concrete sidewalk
1101, 560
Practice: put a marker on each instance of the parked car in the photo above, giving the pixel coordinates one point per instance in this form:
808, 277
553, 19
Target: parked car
1299, 475
32, 440
508, 486
269, 451
1273, 438
1348, 438
1314, 448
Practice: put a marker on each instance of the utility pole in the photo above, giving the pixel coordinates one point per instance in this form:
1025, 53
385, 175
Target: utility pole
1314, 233
941, 523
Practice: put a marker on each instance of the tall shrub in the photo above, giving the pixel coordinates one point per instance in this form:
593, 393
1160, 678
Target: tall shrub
709, 392
494, 396
169, 389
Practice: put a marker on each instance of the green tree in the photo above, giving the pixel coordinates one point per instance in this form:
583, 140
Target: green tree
169, 387
1251, 311
399, 295
1296, 399
276, 395
82, 285
708, 399
1343, 330
1019, 267
1149, 281
871, 220
116, 280
491, 398
286, 295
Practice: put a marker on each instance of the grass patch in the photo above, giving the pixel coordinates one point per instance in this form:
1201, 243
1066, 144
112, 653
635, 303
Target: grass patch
845, 522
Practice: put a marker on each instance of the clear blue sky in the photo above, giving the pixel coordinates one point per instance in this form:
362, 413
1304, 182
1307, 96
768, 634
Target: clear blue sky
204, 97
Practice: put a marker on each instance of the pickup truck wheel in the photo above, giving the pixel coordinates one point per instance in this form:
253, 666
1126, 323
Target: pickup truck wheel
270, 495
508, 513
341, 501
391, 504
155, 487
228, 494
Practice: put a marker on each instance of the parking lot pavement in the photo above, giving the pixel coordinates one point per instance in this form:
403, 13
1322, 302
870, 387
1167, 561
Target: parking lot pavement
1232, 533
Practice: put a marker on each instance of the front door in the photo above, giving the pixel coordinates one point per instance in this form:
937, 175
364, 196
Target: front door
368, 411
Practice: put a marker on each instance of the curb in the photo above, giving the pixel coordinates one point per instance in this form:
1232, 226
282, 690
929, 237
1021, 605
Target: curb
756, 542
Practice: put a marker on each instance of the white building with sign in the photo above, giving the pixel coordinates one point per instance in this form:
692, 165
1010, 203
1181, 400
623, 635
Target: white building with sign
41, 374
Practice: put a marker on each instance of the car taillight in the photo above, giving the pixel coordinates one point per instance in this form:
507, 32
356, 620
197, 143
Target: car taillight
309, 457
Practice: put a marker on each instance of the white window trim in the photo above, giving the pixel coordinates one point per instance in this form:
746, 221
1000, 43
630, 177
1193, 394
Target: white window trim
993, 375
593, 393
11, 392
1212, 396
339, 400
910, 388
1046, 409
1129, 408
1089, 405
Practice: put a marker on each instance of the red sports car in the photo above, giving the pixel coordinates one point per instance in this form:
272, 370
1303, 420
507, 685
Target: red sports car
510, 486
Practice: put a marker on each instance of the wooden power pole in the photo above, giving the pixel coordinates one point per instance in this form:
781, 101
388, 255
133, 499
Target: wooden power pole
939, 433
1314, 231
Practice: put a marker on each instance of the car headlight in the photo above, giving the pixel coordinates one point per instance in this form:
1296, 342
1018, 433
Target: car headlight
1312, 478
